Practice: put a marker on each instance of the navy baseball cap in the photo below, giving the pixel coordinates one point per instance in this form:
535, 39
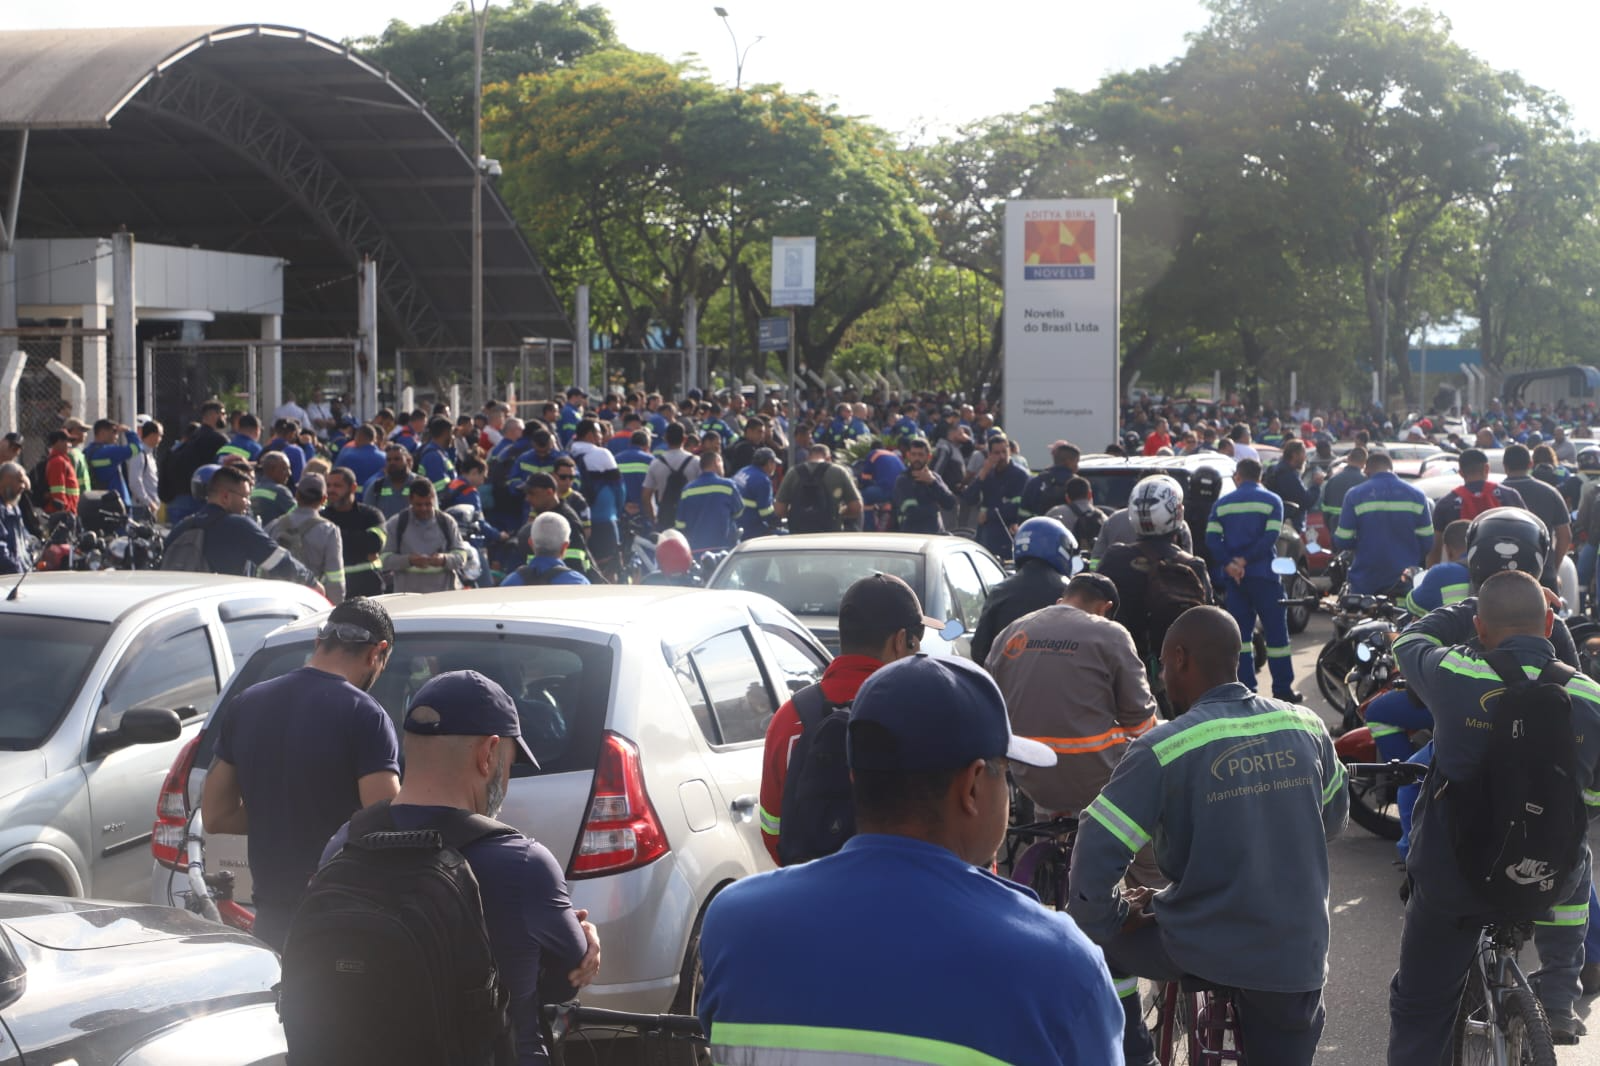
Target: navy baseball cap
926, 713
464, 703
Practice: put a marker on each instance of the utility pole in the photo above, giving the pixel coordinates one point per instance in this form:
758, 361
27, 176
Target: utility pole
477, 394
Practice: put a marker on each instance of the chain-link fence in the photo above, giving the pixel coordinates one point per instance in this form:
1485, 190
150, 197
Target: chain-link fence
43, 398
533, 372
179, 376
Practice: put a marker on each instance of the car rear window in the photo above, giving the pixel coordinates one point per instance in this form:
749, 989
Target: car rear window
1113, 487
562, 687
812, 582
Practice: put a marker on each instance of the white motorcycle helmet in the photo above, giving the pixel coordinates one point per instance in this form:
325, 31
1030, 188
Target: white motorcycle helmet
1156, 506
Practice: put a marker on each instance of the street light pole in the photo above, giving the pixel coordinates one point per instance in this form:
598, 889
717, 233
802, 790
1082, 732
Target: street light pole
733, 239
476, 395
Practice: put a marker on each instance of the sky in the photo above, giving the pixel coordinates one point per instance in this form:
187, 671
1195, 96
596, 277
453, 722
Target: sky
913, 68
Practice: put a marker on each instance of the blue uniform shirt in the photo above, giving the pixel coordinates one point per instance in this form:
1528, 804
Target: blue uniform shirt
1245, 525
436, 465
300, 743
1390, 526
877, 975
105, 465
634, 464
364, 460
1442, 585
567, 424
706, 513
541, 563
242, 446
292, 452
755, 493
527, 912
877, 474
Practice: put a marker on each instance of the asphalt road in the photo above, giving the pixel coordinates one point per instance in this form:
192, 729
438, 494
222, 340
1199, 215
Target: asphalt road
1367, 919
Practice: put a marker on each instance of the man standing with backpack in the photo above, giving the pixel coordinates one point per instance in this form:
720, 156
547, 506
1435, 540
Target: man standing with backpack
819, 496
423, 547
485, 935
313, 540
1470, 499
1156, 580
1519, 754
665, 480
805, 786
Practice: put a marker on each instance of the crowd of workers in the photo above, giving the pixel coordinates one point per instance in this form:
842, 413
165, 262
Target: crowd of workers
1107, 682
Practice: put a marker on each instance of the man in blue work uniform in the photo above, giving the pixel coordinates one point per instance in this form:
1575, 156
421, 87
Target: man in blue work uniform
1284, 482
286, 439
754, 483
1242, 536
997, 490
714, 422
461, 735
1388, 523
1239, 795
244, 444
877, 474
362, 457
106, 456
1048, 488
549, 536
600, 481
1444, 657
234, 543
844, 428
390, 491
786, 979
709, 508
920, 496
541, 457
571, 415
904, 429
434, 460
633, 463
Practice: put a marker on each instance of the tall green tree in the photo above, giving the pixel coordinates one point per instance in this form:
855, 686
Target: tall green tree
434, 61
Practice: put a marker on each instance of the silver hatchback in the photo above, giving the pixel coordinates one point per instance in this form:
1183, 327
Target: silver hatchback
646, 708
106, 675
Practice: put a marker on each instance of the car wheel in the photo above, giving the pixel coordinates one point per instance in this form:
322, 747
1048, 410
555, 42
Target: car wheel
29, 881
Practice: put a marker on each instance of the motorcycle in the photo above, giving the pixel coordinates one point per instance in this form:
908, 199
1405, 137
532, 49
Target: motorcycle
100, 536
1372, 797
478, 573
1296, 578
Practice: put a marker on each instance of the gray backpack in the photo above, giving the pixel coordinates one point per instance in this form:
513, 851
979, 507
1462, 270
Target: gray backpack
187, 550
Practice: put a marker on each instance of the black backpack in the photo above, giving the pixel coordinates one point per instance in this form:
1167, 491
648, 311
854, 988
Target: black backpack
388, 959
530, 576
667, 506
1171, 587
40, 482
810, 509
819, 814
1519, 827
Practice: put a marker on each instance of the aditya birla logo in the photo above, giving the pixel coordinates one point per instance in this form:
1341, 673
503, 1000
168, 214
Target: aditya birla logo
1058, 248
1016, 645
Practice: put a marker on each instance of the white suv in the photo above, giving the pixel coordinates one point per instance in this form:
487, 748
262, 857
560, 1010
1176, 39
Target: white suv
646, 708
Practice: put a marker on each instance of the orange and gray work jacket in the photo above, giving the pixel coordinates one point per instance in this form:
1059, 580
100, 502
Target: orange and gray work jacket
1072, 680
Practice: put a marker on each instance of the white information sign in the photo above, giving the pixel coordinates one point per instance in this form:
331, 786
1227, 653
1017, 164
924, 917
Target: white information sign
1063, 293
794, 271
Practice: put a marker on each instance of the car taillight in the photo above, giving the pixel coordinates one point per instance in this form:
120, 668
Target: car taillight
172, 809
622, 831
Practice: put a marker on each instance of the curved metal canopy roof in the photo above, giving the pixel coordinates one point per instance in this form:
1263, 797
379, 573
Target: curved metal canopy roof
273, 141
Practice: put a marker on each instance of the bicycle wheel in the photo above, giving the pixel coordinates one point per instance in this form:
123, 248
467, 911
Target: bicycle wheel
1373, 807
1168, 1017
1526, 1033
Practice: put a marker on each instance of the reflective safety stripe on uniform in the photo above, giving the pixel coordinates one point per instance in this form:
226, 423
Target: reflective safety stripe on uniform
1277, 720
770, 822
705, 490
1100, 741
1574, 914
735, 1044
1126, 986
361, 568
1244, 507
1335, 784
1117, 823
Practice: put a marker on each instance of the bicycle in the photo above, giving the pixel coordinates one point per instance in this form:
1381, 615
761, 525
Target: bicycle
210, 895
663, 1037
1500, 1020
1043, 865
1195, 1022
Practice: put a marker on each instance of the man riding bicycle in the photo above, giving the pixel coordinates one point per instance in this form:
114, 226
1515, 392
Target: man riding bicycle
1239, 794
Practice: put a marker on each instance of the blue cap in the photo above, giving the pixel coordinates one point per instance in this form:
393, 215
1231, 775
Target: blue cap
464, 703
927, 713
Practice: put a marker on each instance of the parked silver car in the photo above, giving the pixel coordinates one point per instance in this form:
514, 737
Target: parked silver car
809, 572
105, 674
646, 708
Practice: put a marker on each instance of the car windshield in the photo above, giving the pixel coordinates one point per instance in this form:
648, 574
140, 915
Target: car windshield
811, 582
562, 687
1113, 487
46, 662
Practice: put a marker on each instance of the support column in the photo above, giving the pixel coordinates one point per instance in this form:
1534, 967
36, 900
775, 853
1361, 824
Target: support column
96, 368
9, 210
124, 341
366, 398
270, 362
580, 340
691, 341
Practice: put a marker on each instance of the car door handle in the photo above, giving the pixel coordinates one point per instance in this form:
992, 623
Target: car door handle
744, 806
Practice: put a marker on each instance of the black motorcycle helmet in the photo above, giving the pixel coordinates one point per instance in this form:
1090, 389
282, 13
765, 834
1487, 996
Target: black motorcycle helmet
1506, 538
1589, 461
1206, 482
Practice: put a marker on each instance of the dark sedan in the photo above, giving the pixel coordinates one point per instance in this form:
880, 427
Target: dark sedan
110, 984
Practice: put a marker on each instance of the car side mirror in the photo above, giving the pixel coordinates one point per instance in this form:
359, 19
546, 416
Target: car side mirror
140, 725
1283, 565
953, 630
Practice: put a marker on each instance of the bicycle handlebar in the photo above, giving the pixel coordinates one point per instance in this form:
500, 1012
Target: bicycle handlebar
1416, 771
573, 1016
